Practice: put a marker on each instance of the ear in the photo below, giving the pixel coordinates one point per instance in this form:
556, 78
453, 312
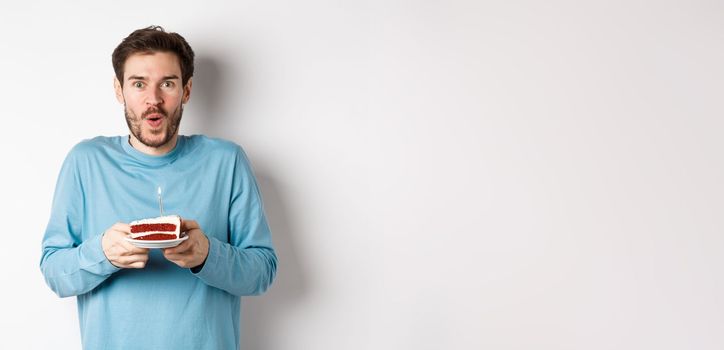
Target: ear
119, 90
187, 91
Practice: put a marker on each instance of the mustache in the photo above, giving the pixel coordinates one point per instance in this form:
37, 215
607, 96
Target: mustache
153, 110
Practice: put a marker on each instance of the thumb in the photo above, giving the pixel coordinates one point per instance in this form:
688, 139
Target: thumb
187, 225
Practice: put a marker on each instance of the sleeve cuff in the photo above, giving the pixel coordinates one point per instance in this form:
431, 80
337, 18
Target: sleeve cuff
205, 270
92, 258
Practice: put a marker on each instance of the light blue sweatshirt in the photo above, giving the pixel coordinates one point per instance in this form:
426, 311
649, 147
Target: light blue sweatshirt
162, 306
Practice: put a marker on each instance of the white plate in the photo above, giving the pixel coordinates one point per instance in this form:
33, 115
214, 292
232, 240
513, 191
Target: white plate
168, 243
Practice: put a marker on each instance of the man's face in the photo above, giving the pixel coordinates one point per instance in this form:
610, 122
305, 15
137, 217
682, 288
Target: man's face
153, 97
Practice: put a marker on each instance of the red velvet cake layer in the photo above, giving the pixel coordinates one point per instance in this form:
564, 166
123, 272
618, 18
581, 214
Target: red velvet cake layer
156, 237
153, 227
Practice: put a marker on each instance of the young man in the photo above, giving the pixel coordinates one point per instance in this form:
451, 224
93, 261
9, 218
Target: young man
183, 297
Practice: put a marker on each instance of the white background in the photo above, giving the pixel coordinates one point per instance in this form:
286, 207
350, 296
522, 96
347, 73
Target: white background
438, 174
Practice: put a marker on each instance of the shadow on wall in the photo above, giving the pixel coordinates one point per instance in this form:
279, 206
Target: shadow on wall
208, 93
260, 314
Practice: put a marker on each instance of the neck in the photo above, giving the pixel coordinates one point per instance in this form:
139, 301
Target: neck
153, 151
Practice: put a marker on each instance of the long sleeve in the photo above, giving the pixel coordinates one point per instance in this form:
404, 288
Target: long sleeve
246, 264
71, 266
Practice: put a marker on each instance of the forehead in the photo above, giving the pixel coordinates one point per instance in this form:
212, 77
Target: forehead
152, 65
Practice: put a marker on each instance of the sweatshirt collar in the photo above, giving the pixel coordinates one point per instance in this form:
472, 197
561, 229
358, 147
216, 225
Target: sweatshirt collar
164, 159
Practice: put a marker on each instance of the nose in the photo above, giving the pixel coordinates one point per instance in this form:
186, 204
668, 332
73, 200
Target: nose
154, 97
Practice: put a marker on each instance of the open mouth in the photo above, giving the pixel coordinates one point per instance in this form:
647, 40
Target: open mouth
154, 120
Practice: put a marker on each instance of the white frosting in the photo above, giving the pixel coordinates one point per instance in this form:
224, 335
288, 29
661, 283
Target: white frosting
169, 219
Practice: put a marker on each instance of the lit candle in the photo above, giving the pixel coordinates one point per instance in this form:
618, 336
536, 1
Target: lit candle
160, 201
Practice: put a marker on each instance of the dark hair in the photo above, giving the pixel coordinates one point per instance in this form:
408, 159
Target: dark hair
150, 40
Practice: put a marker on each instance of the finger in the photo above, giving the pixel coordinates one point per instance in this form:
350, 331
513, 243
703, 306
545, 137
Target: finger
187, 225
180, 261
181, 248
116, 234
122, 227
132, 260
131, 249
177, 259
172, 257
137, 265
175, 253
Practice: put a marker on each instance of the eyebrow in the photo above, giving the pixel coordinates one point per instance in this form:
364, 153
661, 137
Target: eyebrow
138, 77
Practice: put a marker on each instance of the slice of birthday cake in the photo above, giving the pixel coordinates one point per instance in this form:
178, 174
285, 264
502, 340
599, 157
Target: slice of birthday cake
156, 229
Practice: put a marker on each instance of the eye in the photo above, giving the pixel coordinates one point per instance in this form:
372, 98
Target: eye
138, 84
167, 84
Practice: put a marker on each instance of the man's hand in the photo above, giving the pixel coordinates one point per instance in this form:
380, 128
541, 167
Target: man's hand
120, 252
191, 252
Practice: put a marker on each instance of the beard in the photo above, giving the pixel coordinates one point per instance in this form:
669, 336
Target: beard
147, 137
